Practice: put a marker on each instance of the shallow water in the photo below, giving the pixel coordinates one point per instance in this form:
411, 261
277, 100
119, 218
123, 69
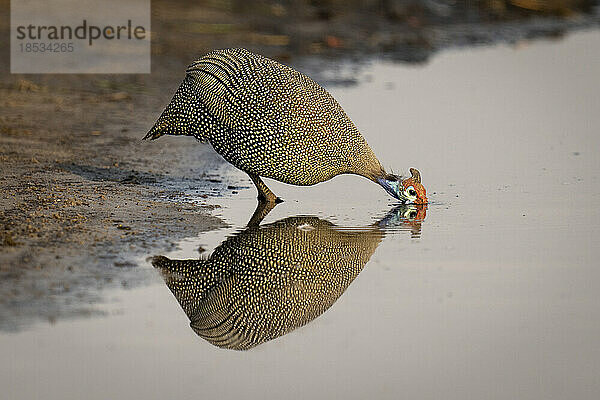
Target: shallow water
494, 295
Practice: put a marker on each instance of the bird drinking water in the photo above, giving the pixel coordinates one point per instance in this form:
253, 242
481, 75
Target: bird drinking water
272, 121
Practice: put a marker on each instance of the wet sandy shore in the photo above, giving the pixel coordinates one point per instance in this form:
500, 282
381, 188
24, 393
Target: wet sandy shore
82, 195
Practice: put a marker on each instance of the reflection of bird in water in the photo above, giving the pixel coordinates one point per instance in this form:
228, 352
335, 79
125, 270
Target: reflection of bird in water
271, 121
266, 281
407, 218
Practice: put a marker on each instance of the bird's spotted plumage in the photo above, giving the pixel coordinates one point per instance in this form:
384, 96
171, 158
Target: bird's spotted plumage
267, 119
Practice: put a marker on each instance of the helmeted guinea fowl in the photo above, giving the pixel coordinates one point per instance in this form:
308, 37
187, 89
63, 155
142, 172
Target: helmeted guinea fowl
272, 121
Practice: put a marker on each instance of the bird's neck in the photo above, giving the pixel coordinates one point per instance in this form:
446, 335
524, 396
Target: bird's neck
371, 170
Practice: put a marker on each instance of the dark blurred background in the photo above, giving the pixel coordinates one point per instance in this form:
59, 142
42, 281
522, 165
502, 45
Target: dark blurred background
405, 30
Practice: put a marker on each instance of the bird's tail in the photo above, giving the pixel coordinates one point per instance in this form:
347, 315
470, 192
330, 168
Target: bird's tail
169, 122
154, 133
182, 116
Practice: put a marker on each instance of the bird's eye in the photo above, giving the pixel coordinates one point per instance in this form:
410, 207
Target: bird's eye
413, 214
412, 192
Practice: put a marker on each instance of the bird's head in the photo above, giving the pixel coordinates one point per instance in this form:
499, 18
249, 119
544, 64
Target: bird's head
408, 190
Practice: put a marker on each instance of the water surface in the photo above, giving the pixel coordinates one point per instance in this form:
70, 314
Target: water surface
494, 296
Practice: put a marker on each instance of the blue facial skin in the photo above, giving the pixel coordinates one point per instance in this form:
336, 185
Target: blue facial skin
394, 188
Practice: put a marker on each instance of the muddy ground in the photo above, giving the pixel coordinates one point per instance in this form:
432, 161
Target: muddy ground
83, 198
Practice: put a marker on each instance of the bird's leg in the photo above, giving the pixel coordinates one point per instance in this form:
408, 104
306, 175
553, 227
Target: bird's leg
264, 193
266, 201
